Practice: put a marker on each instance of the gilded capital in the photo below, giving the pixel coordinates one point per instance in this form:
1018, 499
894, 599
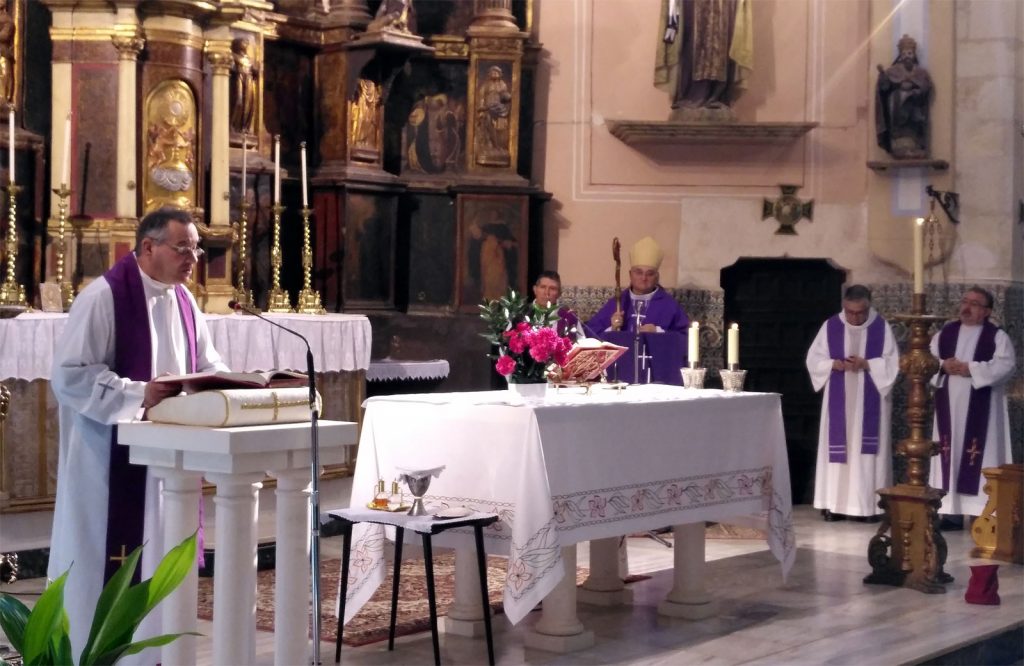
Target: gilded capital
128, 46
220, 62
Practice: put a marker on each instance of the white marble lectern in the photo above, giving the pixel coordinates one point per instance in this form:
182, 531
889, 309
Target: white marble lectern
237, 460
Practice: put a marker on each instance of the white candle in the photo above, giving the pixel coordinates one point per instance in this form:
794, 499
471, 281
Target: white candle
733, 357
919, 255
277, 169
305, 199
65, 165
10, 144
244, 167
693, 343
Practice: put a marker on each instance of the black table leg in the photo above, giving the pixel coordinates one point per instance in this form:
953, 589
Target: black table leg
481, 559
346, 552
428, 561
399, 540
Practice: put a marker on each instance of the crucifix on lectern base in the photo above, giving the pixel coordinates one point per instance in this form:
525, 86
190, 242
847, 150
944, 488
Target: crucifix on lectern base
639, 349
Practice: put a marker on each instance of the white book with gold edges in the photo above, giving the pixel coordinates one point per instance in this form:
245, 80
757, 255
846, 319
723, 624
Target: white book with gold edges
235, 407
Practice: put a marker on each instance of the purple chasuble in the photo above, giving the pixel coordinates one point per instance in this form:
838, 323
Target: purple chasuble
662, 310
836, 331
978, 406
133, 358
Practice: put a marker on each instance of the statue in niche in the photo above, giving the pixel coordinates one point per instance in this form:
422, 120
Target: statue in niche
434, 134
706, 55
394, 15
7, 31
903, 94
494, 106
170, 141
244, 87
364, 116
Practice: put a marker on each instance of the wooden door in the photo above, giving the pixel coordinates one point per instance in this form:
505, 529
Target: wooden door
780, 304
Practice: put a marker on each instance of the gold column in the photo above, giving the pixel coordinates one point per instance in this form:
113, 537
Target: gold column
914, 554
220, 288
129, 44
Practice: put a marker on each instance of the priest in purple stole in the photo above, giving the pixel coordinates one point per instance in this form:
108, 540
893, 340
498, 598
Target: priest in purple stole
133, 324
972, 424
661, 319
854, 358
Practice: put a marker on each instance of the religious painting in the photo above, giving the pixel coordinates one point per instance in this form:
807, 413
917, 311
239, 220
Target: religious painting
369, 251
494, 83
170, 155
431, 284
430, 104
493, 247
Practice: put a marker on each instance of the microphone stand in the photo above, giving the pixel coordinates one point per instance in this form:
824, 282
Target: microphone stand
314, 494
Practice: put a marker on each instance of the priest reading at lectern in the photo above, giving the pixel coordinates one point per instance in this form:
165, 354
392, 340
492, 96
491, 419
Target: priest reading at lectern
648, 310
133, 324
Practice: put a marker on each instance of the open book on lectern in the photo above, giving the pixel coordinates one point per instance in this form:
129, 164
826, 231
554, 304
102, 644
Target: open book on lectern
204, 381
588, 358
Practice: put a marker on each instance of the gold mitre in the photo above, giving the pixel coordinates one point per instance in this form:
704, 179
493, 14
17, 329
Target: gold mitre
646, 252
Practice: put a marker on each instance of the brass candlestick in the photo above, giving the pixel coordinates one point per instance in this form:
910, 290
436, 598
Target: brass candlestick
67, 292
241, 294
277, 300
12, 293
309, 298
915, 553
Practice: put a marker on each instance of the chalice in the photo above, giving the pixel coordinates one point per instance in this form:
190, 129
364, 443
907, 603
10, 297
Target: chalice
418, 482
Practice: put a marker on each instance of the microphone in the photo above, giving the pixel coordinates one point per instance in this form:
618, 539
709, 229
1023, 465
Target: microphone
314, 494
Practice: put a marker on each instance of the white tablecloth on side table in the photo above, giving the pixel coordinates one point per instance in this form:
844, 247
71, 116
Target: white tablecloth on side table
571, 468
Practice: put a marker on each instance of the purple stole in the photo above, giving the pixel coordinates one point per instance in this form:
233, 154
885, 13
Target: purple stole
133, 358
567, 321
978, 406
835, 330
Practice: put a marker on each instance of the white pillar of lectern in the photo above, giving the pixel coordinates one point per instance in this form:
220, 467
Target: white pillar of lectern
688, 598
181, 494
558, 629
291, 586
604, 586
234, 567
465, 616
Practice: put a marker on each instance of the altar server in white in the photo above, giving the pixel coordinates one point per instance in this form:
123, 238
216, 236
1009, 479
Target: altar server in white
972, 423
133, 324
855, 359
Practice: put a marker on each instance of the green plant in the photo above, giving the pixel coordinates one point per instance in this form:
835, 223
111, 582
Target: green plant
42, 634
521, 332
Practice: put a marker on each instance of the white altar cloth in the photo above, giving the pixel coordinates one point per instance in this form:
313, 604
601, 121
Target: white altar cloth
339, 342
571, 468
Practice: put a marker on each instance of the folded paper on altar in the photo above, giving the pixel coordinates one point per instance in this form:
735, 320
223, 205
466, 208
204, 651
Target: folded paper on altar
588, 358
205, 381
235, 407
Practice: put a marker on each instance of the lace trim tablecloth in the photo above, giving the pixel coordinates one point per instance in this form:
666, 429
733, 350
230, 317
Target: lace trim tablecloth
388, 370
339, 342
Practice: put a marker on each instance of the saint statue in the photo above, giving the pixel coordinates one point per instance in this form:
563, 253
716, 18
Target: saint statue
394, 15
244, 79
7, 30
902, 98
706, 54
364, 116
494, 106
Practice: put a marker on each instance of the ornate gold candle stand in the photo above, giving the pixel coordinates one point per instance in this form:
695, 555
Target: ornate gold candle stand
914, 554
12, 294
277, 300
241, 294
309, 298
67, 293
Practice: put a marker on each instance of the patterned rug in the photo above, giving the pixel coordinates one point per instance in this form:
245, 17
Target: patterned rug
371, 622
726, 531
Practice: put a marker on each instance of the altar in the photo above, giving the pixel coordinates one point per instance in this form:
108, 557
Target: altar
340, 344
573, 467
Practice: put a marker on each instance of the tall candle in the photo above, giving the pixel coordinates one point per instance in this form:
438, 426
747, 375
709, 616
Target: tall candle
305, 200
693, 343
245, 163
733, 357
10, 144
919, 255
65, 165
277, 168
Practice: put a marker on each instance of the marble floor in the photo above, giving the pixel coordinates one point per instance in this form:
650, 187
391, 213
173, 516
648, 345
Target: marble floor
823, 614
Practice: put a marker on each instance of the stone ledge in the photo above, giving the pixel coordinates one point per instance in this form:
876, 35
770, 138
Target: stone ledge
635, 132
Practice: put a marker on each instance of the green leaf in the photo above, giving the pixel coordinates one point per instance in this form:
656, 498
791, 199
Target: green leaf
13, 618
172, 569
120, 623
110, 598
43, 622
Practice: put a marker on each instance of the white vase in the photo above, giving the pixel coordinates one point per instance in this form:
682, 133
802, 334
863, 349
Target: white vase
530, 390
